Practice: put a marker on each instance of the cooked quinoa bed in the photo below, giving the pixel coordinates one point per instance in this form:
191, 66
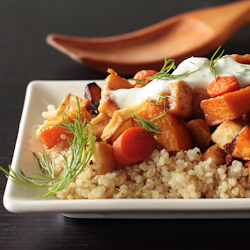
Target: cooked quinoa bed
160, 176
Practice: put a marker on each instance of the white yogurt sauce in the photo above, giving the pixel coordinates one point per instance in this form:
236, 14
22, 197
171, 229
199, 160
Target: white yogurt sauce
200, 78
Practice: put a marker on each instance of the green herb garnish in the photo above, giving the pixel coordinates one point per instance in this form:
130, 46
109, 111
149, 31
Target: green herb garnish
163, 97
81, 150
213, 60
139, 81
165, 72
149, 125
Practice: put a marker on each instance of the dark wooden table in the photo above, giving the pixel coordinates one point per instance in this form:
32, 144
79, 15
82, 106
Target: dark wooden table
24, 56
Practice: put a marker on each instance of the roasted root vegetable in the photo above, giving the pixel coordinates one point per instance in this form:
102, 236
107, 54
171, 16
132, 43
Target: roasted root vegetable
119, 122
198, 95
216, 153
226, 107
102, 161
99, 123
51, 134
69, 103
223, 84
244, 59
142, 75
173, 135
112, 82
180, 103
134, 145
93, 94
226, 132
242, 145
200, 133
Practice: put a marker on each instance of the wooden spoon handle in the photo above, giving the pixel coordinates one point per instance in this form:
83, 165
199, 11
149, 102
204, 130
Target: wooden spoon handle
230, 16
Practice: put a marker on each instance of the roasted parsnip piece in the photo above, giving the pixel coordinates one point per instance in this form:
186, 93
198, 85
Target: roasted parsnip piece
181, 103
112, 82
119, 117
69, 103
226, 132
102, 160
99, 123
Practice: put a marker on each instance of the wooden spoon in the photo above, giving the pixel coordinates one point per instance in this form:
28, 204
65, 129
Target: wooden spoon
194, 33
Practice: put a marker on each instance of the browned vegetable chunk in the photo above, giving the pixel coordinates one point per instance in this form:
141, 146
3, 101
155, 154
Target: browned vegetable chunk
200, 133
112, 82
93, 94
181, 103
198, 95
226, 107
226, 132
216, 153
174, 134
102, 160
242, 146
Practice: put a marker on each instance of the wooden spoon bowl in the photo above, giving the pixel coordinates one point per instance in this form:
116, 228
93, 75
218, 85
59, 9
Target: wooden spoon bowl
194, 33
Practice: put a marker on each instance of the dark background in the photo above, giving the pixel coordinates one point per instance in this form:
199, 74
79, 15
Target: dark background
24, 56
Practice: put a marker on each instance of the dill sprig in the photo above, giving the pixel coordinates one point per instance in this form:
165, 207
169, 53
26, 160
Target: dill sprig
149, 125
168, 66
213, 60
82, 146
139, 81
163, 97
165, 72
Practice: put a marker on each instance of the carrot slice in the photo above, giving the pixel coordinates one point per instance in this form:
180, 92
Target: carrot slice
142, 75
222, 85
52, 134
244, 59
134, 145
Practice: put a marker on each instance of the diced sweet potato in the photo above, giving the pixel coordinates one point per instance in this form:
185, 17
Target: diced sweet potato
200, 133
174, 134
102, 160
242, 146
226, 107
52, 134
112, 82
181, 103
226, 132
216, 153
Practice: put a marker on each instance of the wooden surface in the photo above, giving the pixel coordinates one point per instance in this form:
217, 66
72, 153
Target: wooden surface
24, 56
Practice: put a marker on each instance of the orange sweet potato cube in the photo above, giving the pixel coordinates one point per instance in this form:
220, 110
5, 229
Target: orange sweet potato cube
174, 135
242, 146
226, 107
200, 133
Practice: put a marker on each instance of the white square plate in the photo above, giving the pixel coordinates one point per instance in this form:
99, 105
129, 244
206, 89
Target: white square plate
22, 199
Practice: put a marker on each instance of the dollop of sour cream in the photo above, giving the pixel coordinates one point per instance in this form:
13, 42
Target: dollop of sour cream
200, 76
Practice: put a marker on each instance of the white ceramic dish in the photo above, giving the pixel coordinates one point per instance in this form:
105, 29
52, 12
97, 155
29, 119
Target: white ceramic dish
22, 199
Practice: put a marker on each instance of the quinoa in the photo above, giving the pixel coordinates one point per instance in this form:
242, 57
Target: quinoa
161, 176
183, 175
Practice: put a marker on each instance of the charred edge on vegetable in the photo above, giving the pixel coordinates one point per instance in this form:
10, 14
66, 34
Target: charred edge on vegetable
93, 93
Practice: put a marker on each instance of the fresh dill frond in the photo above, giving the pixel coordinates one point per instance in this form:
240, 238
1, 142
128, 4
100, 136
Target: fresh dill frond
213, 60
163, 97
168, 66
165, 72
139, 81
149, 125
82, 146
